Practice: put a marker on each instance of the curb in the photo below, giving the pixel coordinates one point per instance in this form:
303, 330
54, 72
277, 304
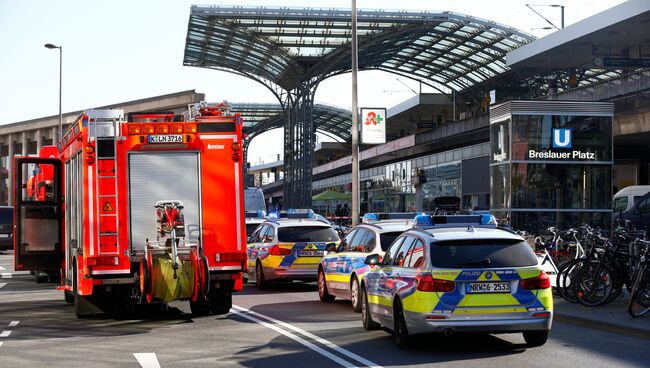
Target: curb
593, 324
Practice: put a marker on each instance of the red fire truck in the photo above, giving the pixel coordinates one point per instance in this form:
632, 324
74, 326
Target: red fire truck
140, 211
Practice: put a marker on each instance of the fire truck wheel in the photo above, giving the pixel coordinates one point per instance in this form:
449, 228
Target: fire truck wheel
68, 297
40, 277
200, 307
205, 268
220, 302
259, 277
144, 278
77, 299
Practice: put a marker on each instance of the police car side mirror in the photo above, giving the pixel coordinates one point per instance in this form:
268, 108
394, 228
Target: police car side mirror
330, 247
372, 259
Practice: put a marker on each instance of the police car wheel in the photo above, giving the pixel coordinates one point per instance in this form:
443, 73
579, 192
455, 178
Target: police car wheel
400, 331
323, 294
68, 297
259, 277
366, 319
535, 338
354, 295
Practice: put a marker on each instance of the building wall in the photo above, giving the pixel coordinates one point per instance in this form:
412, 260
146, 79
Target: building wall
391, 188
26, 138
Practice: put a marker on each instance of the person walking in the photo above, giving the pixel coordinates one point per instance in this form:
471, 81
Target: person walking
345, 212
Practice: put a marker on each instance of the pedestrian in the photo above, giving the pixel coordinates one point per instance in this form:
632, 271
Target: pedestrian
345, 212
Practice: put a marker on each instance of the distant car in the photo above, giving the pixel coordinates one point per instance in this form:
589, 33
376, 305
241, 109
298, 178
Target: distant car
341, 271
6, 227
288, 248
457, 274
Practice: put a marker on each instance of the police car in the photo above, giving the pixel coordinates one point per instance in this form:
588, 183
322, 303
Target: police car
289, 246
454, 274
253, 220
341, 270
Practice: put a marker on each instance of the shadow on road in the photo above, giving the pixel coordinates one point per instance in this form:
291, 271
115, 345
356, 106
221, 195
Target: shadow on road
49, 319
275, 287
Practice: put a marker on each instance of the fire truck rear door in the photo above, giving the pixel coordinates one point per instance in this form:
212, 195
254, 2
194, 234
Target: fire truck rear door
38, 216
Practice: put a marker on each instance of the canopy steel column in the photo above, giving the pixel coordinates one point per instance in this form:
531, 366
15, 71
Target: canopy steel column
299, 140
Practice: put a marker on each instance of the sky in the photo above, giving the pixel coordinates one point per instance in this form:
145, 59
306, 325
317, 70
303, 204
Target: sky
122, 50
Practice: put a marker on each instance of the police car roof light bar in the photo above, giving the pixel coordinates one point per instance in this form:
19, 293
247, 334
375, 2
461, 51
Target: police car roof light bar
374, 216
255, 214
482, 220
299, 213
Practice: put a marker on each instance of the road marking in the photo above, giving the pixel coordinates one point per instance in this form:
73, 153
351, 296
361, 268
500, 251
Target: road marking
0, 344
6, 275
147, 360
2, 268
327, 343
5, 333
13, 323
2, 284
298, 339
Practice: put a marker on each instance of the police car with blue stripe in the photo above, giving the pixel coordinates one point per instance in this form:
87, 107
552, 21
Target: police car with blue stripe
452, 274
288, 246
341, 270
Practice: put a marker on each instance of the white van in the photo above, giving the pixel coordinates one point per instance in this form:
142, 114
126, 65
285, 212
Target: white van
624, 198
633, 203
254, 200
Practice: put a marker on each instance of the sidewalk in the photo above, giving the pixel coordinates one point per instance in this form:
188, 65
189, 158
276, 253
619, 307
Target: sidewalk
612, 317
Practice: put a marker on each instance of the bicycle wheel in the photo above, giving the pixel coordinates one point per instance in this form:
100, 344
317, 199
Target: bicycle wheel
639, 303
565, 277
594, 284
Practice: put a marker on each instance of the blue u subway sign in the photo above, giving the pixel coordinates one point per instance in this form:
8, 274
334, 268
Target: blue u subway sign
562, 138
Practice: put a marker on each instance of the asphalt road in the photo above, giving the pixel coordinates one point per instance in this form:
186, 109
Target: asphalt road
286, 326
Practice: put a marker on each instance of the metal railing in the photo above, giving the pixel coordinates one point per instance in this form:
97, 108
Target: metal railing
635, 82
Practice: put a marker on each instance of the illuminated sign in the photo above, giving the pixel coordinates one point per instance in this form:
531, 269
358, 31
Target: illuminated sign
562, 139
373, 125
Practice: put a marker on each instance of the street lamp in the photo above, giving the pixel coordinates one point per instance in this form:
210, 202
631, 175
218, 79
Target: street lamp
354, 127
51, 46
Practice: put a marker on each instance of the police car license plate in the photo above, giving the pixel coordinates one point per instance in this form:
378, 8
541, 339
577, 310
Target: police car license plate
310, 253
172, 138
487, 287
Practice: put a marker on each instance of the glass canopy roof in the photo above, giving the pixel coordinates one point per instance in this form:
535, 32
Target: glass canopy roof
287, 46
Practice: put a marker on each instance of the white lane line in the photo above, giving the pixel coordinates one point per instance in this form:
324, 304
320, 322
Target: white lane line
327, 343
147, 360
298, 339
13, 323
6, 275
2, 284
5, 333
0, 344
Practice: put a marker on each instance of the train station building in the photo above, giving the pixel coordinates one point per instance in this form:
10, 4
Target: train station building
496, 135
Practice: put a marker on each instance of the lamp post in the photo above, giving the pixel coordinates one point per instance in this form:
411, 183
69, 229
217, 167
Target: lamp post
51, 46
355, 129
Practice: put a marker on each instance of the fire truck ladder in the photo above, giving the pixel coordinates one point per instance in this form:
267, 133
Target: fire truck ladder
105, 130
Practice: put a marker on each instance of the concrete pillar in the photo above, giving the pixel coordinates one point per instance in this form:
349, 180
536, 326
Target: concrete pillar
10, 169
24, 153
39, 141
55, 135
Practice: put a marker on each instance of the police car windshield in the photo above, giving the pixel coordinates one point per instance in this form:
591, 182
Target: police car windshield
307, 234
482, 253
387, 239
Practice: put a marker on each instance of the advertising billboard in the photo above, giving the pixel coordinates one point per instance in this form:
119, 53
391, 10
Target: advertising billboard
373, 125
